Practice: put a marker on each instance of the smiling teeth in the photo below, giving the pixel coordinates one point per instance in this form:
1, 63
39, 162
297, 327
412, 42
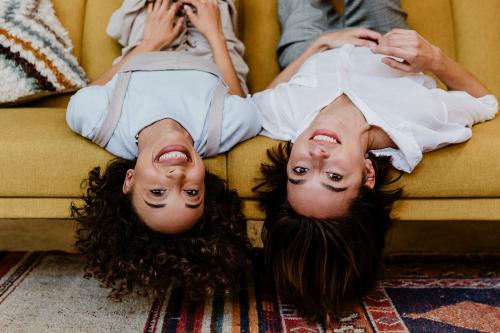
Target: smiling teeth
173, 154
325, 139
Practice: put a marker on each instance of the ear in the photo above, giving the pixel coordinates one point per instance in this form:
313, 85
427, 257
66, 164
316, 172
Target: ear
369, 174
128, 183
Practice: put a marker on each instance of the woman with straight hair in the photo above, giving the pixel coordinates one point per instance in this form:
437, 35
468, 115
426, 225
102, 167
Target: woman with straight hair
354, 103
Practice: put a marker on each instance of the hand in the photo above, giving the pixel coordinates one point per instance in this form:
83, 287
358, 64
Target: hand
161, 27
355, 36
207, 17
417, 54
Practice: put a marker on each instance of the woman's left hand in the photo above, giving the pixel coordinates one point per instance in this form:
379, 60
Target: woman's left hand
161, 26
207, 17
417, 54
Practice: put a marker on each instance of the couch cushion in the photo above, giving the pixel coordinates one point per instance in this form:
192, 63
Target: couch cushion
259, 30
42, 157
477, 31
98, 49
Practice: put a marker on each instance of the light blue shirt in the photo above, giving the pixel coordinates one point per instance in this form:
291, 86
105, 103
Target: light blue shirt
181, 95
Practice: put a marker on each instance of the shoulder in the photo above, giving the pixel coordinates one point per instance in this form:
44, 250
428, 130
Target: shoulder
242, 111
86, 109
241, 121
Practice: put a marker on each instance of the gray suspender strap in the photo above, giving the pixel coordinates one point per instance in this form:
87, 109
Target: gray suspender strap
215, 120
155, 61
114, 111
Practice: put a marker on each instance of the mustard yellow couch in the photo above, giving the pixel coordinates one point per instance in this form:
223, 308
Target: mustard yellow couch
451, 203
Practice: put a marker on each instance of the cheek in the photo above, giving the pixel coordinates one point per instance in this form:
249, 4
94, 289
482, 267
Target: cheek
198, 174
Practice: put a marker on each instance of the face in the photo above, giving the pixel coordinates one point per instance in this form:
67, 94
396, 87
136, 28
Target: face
326, 169
167, 184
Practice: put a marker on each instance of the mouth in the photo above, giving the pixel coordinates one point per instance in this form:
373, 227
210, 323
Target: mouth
325, 137
173, 155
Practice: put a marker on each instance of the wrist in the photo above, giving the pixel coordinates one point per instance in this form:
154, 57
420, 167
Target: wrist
216, 37
148, 46
439, 60
319, 45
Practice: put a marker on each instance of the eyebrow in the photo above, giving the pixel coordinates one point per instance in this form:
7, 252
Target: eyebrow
152, 205
193, 206
328, 187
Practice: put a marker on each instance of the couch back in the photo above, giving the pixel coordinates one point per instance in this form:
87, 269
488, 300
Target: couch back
468, 31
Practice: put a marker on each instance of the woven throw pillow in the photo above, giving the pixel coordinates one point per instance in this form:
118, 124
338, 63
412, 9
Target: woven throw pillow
36, 57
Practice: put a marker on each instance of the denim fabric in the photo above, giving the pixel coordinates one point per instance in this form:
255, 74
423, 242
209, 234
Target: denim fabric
302, 21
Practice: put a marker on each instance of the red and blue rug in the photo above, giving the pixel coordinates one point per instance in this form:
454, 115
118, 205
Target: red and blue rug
42, 292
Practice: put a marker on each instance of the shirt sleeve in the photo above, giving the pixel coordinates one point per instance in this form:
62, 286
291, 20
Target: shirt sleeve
86, 109
241, 121
466, 110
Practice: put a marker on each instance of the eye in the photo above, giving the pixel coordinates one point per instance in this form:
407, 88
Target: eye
300, 170
157, 192
334, 176
192, 193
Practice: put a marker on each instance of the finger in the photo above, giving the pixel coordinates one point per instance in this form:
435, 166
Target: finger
400, 42
195, 3
364, 42
397, 64
163, 6
150, 8
157, 5
178, 27
190, 14
401, 31
173, 10
367, 33
392, 51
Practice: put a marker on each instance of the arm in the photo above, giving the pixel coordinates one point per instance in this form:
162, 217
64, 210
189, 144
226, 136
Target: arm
355, 36
419, 55
160, 30
207, 21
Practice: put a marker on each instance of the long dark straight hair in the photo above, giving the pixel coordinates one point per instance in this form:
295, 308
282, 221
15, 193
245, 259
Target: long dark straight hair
322, 265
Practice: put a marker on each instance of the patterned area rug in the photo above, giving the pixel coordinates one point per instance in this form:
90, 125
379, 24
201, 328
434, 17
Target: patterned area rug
45, 292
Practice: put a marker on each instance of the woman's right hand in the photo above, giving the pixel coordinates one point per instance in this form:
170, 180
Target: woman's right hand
355, 36
161, 27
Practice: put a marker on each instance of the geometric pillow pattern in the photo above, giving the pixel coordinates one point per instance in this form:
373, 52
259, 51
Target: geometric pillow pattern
36, 56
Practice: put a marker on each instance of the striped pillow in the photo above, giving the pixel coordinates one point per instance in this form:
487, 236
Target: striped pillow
35, 53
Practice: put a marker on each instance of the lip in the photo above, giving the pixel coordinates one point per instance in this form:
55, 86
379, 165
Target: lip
173, 161
328, 133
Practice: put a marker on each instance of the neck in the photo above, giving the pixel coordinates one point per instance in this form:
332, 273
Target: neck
371, 137
148, 135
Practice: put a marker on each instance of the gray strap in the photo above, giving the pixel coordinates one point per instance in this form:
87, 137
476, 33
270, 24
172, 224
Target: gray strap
215, 120
114, 112
154, 61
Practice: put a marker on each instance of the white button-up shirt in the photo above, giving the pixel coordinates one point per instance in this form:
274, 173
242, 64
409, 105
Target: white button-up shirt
415, 114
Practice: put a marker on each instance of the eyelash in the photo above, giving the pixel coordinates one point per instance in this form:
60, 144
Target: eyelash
191, 193
157, 192
300, 170
334, 176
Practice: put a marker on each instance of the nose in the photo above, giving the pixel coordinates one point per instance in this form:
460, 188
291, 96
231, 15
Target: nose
318, 151
174, 173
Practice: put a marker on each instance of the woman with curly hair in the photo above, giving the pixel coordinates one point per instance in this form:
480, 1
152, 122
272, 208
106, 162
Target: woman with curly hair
124, 253
155, 217
353, 103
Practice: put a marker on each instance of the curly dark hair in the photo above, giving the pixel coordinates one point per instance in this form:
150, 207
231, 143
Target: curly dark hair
124, 254
322, 265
